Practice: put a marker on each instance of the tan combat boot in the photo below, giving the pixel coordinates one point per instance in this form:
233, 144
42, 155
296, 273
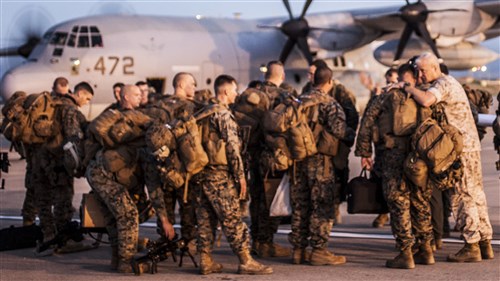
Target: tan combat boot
125, 266
266, 250
404, 260
424, 254
380, 220
114, 257
325, 257
486, 250
250, 266
469, 253
298, 255
255, 247
207, 264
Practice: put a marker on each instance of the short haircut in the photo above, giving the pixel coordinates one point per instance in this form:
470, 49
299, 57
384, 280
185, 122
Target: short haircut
178, 77
390, 71
84, 86
271, 68
428, 58
222, 80
406, 68
319, 63
119, 84
60, 81
322, 75
140, 83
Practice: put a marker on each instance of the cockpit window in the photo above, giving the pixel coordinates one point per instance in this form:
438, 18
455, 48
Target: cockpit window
59, 38
96, 40
84, 29
72, 40
83, 41
47, 36
94, 29
75, 29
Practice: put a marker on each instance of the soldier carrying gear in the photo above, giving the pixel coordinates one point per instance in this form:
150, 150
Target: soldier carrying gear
218, 198
115, 177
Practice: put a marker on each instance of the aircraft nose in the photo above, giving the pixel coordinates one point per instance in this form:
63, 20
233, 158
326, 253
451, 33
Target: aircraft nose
8, 85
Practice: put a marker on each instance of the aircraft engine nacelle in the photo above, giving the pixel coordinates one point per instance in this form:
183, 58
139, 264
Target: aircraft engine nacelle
461, 56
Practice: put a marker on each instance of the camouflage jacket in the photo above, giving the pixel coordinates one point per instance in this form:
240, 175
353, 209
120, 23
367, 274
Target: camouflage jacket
365, 134
273, 92
73, 122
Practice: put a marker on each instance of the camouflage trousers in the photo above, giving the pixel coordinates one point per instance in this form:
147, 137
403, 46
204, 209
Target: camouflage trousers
468, 201
408, 204
187, 211
120, 212
217, 202
53, 187
312, 203
29, 208
263, 227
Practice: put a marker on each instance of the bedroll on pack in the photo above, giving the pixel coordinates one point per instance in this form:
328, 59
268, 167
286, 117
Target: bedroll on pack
101, 125
439, 146
405, 111
249, 111
10, 127
130, 126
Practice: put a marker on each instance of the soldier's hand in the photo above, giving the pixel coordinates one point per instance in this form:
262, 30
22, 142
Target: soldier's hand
168, 228
243, 189
367, 163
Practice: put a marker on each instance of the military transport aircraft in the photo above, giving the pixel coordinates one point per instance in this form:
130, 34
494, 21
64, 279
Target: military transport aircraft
103, 50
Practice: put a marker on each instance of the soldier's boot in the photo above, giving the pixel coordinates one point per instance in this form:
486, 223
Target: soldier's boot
298, 255
380, 220
404, 260
269, 249
250, 266
255, 247
207, 264
325, 257
125, 266
469, 253
486, 250
114, 257
424, 255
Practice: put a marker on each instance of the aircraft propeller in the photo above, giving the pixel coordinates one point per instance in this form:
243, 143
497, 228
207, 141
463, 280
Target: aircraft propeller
415, 15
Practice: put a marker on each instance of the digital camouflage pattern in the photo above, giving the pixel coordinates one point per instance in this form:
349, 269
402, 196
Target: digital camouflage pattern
312, 196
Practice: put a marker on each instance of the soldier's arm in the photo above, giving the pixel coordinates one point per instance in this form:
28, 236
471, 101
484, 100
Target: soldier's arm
73, 123
364, 139
336, 123
348, 102
229, 133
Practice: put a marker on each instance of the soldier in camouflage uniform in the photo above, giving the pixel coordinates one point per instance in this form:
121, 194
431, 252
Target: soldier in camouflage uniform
467, 197
408, 204
263, 226
312, 197
53, 184
116, 197
217, 196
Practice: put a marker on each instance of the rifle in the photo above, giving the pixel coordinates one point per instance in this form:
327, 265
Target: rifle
4, 166
72, 230
159, 251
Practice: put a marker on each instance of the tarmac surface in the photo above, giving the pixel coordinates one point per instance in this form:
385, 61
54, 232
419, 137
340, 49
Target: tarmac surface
366, 248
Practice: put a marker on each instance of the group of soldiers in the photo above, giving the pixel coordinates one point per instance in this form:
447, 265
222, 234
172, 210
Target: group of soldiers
217, 194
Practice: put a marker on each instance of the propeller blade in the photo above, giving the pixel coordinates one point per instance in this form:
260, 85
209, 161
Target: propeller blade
306, 7
422, 29
289, 10
286, 50
445, 10
25, 50
304, 47
9, 52
403, 41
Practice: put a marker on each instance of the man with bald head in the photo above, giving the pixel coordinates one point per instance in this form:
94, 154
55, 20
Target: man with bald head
467, 197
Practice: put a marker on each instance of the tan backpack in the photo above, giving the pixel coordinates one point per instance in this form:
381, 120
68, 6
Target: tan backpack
11, 111
248, 111
405, 114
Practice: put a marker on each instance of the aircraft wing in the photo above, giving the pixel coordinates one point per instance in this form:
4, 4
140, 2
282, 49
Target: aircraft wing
492, 8
384, 19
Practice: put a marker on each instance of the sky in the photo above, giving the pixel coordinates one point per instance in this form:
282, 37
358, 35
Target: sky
18, 17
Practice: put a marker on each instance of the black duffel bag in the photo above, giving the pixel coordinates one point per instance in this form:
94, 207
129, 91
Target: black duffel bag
365, 196
13, 238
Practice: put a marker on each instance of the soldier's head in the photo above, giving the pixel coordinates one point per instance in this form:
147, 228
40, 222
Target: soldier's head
391, 76
428, 65
256, 84
406, 74
275, 72
323, 79
184, 85
130, 97
83, 93
226, 89
143, 86
312, 68
60, 86
117, 87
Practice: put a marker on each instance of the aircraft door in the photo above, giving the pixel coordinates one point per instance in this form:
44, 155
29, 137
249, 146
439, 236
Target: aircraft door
207, 75
158, 83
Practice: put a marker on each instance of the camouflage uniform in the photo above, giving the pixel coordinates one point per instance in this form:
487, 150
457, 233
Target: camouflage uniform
312, 196
217, 196
29, 205
468, 200
53, 184
408, 205
263, 226
341, 161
